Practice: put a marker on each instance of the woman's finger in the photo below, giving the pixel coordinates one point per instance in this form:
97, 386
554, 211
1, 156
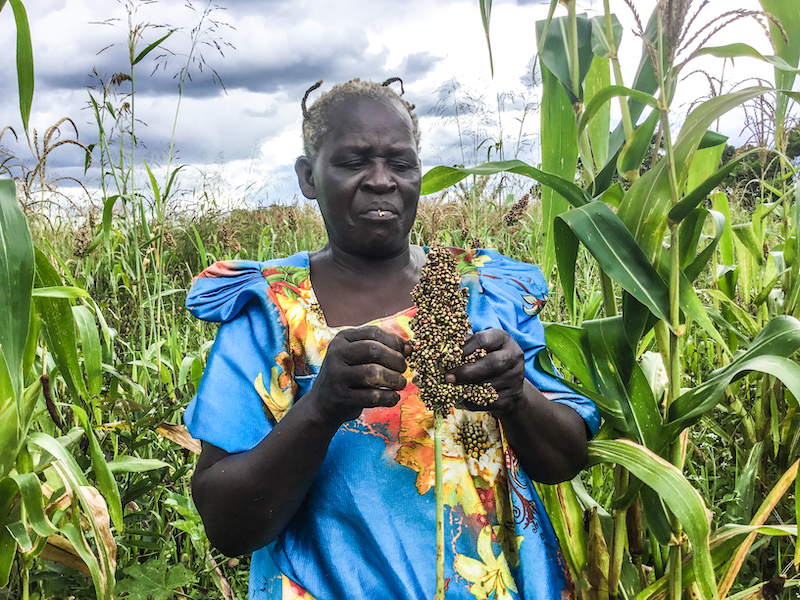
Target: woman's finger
377, 377
503, 365
376, 334
370, 398
364, 352
489, 339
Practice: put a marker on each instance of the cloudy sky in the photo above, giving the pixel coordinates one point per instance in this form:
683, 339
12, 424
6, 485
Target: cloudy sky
240, 140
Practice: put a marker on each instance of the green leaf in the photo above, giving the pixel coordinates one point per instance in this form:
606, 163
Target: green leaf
619, 376
7, 395
711, 139
604, 46
556, 53
692, 306
632, 155
609, 407
566, 252
644, 208
486, 14
58, 328
741, 511
72, 476
788, 50
673, 488
24, 62
559, 143
598, 79
201, 247
8, 551
108, 214
617, 254
706, 160
438, 178
699, 262
609, 93
727, 281
741, 49
134, 464
59, 291
701, 191
154, 579
162, 294
570, 345
748, 238
14, 424
105, 480
90, 348
743, 318
779, 339
645, 81
561, 502
150, 48
16, 282
30, 491
724, 543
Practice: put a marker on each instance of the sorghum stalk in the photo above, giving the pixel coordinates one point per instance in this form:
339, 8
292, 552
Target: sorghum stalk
437, 444
440, 328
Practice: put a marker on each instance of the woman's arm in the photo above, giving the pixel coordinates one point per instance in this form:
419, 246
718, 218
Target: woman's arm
247, 499
549, 438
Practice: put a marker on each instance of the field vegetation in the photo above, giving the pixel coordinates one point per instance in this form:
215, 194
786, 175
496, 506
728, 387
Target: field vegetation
675, 274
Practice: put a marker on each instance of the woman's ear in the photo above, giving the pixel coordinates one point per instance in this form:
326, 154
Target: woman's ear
305, 177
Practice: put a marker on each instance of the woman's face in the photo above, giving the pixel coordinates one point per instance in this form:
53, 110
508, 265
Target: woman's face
366, 177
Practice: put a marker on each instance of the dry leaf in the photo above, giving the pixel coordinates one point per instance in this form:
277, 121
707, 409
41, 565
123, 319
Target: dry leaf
59, 549
179, 435
99, 510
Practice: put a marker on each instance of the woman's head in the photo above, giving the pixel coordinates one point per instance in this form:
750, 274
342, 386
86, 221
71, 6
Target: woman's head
364, 170
316, 118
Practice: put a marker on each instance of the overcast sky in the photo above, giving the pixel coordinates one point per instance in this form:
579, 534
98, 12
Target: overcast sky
242, 139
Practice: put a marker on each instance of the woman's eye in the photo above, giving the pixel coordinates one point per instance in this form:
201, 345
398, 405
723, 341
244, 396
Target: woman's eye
353, 164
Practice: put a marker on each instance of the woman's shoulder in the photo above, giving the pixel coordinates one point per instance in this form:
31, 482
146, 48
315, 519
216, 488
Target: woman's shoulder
220, 291
503, 280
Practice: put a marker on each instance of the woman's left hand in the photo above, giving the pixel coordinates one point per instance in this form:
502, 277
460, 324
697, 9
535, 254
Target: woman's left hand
503, 367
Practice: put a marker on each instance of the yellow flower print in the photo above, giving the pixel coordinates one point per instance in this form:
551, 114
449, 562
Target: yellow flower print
490, 576
280, 397
416, 452
479, 261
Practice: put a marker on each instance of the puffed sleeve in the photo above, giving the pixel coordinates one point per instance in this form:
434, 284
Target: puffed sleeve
248, 381
509, 294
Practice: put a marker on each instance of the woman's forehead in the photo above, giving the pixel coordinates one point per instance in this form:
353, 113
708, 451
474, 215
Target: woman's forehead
359, 114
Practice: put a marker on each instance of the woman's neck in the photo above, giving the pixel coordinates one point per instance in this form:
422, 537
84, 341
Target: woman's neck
352, 290
358, 266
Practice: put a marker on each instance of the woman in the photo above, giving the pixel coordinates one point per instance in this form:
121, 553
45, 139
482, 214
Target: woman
335, 495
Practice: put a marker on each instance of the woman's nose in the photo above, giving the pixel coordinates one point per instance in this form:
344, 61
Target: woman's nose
379, 178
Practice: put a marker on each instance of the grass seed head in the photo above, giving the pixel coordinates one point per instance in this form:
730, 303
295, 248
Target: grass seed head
517, 210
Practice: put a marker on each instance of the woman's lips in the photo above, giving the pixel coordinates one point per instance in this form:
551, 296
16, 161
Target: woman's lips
379, 214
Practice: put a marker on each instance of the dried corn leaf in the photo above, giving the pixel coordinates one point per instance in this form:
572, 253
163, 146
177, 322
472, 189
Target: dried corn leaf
179, 435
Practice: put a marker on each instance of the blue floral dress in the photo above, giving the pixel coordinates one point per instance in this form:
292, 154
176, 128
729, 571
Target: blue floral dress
367, 527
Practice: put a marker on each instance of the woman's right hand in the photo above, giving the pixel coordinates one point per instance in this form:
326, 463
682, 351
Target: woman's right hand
363, 368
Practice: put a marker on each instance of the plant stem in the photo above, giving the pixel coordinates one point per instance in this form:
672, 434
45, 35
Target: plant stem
627, 123
437, 443
620, 532
609, 300
575, 70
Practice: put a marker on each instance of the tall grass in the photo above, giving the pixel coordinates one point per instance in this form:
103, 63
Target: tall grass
699, 391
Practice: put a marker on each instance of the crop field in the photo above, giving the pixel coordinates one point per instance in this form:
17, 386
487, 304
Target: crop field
674, 265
